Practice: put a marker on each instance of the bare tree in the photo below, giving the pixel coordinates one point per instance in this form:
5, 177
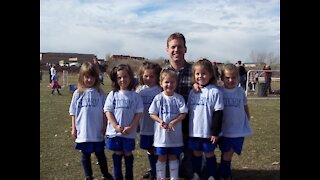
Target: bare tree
263, 57
272, 59
107, 56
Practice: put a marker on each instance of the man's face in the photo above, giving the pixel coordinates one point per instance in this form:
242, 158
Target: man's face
176, 50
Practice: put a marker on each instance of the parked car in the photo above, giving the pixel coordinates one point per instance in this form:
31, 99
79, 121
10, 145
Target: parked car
75, 64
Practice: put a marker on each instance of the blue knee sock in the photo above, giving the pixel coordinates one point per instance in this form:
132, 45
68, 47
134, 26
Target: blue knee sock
196, 164
152, 161
86, 163
102, 163
211, 166
225, 169
117, 171
128, 161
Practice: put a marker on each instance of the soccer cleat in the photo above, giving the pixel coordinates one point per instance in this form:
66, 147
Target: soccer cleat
147, 174
228, 178
108, 177
195, 177
89, 178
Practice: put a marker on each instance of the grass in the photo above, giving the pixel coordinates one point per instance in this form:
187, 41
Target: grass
260, 158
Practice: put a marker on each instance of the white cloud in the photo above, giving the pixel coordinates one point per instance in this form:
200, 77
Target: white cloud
225, 30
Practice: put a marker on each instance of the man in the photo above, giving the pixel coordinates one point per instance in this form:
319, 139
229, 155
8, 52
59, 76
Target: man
52, 72
101, 68
267, 77
176, 49
243, 75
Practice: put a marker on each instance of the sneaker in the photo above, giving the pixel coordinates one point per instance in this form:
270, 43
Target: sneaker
211, 178
108, 177
228, 178
147, 174
195, 177
89, 178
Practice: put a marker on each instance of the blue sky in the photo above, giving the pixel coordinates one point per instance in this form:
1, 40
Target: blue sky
220, 30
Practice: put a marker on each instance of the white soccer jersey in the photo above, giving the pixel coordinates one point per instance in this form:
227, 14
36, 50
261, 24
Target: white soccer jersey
168, 108
202, 106
235, 121
88, 111
124, 105
146, 122
53, 71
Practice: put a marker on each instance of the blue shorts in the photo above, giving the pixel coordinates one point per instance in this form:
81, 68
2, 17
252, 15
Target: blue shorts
120, 144
225, 144
90, 147
146, 142
169, 150
201, 144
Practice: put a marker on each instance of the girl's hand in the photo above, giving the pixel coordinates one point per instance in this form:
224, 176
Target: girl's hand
196, 87
103, 131
214, 139
163, 125
126, 130
74, 133
170, 127
118, 128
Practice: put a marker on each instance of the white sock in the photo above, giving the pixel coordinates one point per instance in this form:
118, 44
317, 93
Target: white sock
161, 170
174, 169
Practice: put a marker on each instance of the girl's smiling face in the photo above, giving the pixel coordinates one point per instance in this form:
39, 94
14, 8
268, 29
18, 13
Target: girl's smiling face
123, 79
168, 84
201, 75
149, 77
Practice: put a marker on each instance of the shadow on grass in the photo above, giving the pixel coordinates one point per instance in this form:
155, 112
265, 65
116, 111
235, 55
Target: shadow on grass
251, 174
256, 174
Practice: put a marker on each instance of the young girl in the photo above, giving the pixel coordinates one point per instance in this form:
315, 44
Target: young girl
123, 109
168, 109
55, 84
235, 123
205, 116
88, 119
149, 87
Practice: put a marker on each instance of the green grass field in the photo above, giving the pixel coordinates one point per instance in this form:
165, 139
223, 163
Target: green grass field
260, 158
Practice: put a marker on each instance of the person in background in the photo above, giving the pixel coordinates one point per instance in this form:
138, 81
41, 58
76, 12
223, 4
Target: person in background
168, 109
50, 76
89, 121
243, 75
216, 70
256, 80
205, 118
123, 108
53, 70
101, 68
149, 87
235, 121
267, 78
55, 84
40, 75
176, 49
